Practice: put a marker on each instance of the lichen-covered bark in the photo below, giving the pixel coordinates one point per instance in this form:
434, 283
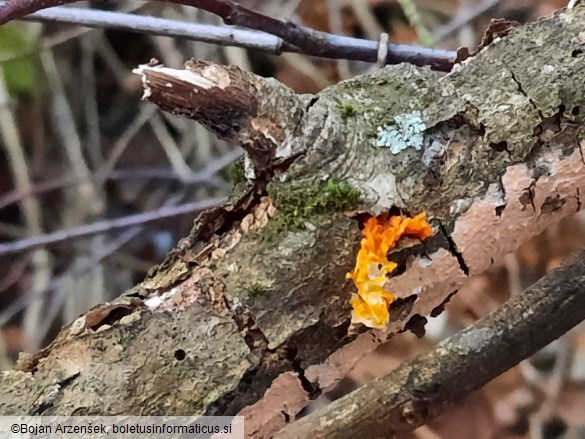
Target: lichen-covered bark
258, 288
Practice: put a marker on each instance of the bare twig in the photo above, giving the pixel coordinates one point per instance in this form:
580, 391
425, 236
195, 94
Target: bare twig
122, 143
40, 259
85, 201
418, 390
336, 25
285, 36
15, 272
206, 175
14, 150
76, 270
365, 15
206, 33
51, 41
412, 15
169, 146
106, 226
92, 116
464, 17
553, 385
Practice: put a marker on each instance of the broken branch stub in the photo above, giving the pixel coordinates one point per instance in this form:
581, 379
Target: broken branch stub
256, 298
259, 114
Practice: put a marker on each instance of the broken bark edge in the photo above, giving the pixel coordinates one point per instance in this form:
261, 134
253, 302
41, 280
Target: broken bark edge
419, 390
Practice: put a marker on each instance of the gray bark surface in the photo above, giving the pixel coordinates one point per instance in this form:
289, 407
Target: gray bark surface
256, 295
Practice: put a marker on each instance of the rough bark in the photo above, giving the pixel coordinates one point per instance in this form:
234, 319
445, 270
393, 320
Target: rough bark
419, 390
255, 298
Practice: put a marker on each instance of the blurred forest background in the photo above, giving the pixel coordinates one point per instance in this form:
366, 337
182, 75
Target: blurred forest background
79, 148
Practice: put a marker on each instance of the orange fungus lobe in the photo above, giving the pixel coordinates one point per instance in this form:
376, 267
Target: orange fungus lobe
370, 304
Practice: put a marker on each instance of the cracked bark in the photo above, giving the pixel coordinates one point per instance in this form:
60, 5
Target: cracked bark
252, 303
419, 390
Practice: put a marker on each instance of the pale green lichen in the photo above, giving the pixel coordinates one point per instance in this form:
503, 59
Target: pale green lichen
405, 131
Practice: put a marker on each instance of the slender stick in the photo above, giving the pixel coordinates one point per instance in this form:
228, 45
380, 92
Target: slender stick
419, 390
206, 33
275, 36
106, 226
460, 20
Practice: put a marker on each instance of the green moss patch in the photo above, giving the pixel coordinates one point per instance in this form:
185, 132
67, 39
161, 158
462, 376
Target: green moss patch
301, 204
237, 174
256, 289
347, 110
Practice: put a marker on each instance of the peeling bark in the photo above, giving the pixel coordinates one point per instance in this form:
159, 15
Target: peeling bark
257, 294
419, 390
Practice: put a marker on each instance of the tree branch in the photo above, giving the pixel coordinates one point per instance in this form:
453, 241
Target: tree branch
275, 36
421, 389
206, 33
249, 313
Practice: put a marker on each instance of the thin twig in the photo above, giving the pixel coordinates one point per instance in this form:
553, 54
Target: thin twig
206, 176
14, 274
414, 19
90, 104
14, 150
336, 25
369, 24
76, 270
285, 36
40, 259
462, 19
52, 41
205, 33
169, 146
122, 142
106, 226
420, 389
85, 201
553, 386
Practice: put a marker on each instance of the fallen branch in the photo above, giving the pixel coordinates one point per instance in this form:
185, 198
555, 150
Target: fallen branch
421, 389
249, 313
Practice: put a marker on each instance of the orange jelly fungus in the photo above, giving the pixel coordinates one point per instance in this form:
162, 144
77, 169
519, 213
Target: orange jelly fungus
370, 304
